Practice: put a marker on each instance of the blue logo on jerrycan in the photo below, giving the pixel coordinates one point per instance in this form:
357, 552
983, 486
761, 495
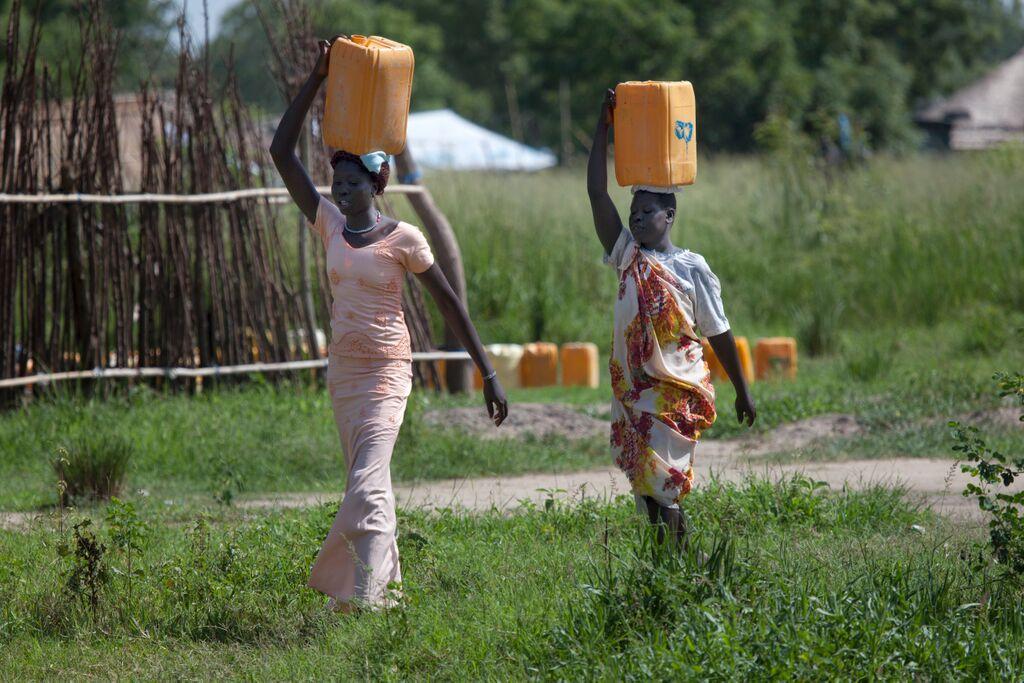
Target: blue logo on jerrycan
684, 131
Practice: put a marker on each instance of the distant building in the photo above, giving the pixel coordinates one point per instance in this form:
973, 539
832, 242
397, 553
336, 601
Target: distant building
983, 114
129, 112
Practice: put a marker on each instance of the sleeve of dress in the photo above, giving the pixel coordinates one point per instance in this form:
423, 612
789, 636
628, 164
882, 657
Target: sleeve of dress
708, 310
415, 253
614, 259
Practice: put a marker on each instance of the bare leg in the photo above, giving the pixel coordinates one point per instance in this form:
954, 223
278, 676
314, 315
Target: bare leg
672, 519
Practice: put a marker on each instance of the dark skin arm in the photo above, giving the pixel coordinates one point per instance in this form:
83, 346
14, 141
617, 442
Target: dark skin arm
724, 347
457, 317
606, 217
282, 149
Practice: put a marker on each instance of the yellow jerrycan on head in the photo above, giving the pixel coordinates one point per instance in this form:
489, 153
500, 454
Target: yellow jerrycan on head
369, 84
655, 133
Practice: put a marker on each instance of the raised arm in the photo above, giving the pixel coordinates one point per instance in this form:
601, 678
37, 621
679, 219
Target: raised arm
457, 317
282, 149
606, 216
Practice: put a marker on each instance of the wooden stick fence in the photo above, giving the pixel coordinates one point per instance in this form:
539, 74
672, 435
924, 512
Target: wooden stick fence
190, 273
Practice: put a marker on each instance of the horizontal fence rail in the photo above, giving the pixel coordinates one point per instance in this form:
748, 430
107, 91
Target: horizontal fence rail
215, 371
273, 195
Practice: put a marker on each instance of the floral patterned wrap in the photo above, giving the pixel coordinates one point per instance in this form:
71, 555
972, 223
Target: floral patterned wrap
663, 396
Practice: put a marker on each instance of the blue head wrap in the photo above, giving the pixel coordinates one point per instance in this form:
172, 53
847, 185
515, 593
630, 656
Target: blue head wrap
373, 160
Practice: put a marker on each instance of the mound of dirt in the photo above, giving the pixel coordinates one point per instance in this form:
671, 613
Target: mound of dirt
539, 420
536, 420
791, 436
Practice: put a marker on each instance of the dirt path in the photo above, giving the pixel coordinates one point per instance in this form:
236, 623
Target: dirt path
935, 482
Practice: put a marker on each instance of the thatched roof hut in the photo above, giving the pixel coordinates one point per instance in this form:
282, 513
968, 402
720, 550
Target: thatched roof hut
986, 113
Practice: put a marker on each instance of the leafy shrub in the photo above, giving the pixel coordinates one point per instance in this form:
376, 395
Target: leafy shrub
993, 469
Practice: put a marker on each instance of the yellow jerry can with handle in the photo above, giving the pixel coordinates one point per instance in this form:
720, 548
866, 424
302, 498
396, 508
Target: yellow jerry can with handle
369, 85
775, 356
718, 370
655, 133
580, 365
538, 366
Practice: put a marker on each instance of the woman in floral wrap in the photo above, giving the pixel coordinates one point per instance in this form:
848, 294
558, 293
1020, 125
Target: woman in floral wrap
667, 297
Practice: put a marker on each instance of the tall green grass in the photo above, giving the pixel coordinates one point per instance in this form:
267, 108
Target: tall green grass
899, 241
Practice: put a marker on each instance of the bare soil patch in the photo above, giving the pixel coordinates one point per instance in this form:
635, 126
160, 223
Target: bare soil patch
537, 420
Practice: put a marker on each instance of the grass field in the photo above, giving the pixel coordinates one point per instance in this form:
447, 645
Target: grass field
901, 279
800, 584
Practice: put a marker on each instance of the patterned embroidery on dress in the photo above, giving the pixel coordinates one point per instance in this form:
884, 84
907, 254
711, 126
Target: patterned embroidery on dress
334, 277
381, 318
383, 249
360, 344
393, 285
337, 313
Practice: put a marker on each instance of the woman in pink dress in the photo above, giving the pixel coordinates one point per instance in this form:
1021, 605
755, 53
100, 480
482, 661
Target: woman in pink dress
369, 374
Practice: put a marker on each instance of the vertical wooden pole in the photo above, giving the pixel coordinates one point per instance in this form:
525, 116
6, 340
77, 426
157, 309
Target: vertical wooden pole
566, 119
512, 99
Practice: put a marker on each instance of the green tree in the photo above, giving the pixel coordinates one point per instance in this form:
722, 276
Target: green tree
504, 63
145, 29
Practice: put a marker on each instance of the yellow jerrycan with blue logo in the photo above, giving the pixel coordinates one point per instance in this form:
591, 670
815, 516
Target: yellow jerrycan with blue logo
655, 125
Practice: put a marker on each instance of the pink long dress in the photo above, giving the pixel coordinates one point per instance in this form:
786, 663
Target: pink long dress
369, 377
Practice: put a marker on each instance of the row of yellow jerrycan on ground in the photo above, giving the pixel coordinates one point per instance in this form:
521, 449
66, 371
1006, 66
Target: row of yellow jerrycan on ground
538, 365
369, 85
544, 364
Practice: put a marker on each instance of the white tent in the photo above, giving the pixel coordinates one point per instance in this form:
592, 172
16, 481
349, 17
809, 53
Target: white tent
443, 139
